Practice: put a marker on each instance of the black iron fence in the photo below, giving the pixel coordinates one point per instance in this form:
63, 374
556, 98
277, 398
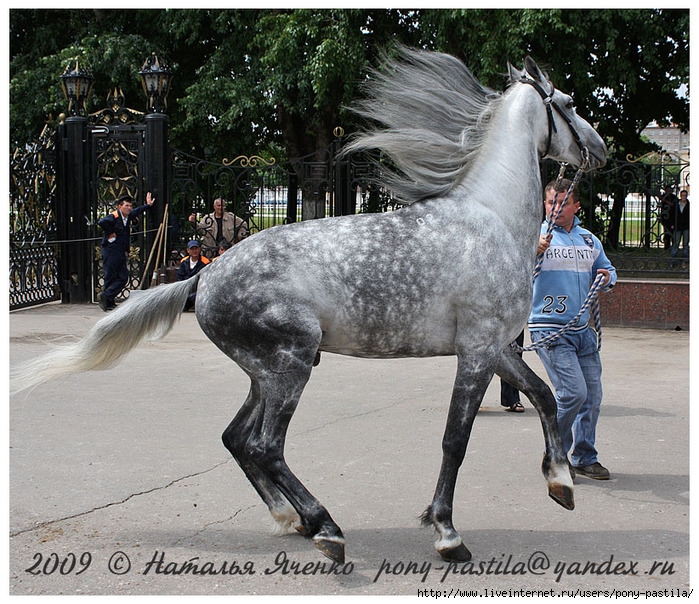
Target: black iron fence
33, 224
264, 193
630, 205
625, 204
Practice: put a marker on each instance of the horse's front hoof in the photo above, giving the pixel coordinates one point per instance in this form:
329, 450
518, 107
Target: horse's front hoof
562, 495
332, 548
460, 553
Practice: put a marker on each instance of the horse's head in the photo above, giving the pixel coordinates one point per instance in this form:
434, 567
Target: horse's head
568, 137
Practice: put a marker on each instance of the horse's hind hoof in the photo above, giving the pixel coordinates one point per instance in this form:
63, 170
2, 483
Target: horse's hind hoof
562, 495
460, 553
332, 548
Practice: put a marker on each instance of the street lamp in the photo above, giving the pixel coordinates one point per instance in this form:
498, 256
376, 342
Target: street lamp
156, 78
73, 188
77, 84
156, 83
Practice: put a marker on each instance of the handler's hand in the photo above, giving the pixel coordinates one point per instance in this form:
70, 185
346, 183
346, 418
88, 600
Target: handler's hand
150, 200
607, 276
544, 243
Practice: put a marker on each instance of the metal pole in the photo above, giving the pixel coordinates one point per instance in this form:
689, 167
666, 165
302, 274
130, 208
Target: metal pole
647, 209
157, 176
343, 203
73, 211
292, 196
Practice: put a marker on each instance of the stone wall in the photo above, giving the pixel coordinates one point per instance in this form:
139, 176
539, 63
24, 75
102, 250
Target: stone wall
643, 303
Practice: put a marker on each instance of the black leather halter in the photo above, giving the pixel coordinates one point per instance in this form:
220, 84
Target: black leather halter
550, 106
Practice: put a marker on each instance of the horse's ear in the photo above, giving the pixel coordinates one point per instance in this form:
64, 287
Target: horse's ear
514, 74
533, 70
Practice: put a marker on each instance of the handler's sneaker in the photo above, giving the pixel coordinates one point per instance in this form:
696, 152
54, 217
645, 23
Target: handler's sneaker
595, 471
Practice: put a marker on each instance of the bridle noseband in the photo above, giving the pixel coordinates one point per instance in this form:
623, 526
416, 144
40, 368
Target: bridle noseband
550, 105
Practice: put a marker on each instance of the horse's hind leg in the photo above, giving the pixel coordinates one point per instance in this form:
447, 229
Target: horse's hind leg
555, 464
235, 438
472, 379
280, 394
257, 436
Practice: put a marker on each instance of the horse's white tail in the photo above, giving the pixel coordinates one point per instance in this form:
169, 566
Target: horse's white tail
150, 313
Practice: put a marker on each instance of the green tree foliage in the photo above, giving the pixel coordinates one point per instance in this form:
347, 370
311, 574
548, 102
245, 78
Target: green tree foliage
623, 67
252, 81
112, 44
288, 76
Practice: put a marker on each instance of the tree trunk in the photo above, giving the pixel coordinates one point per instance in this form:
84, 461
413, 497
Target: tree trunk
301, 140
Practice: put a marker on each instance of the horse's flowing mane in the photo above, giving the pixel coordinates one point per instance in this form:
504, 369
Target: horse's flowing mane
431, 116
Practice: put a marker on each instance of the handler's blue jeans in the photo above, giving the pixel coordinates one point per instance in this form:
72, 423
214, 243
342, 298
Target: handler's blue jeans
573, 365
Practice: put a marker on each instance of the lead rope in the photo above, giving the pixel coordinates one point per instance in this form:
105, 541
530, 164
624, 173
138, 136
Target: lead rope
592, 298
591, 302
553, 217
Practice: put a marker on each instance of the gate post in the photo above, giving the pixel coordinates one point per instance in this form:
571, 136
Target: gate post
157, 181
73, 210
155, 78
344, 202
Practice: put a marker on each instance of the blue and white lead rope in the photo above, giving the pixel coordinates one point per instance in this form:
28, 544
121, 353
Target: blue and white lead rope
591, 302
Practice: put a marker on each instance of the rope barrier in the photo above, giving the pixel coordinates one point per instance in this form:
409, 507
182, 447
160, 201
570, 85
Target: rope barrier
60, 241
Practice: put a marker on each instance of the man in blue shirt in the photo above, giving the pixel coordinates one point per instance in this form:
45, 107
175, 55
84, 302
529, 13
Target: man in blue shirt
116, 242
572, 258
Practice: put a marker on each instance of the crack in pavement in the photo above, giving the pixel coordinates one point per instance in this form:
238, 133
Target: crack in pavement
48, 523
209, 524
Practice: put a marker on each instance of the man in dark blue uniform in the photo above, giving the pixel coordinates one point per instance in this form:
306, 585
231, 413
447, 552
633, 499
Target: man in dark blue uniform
115, 247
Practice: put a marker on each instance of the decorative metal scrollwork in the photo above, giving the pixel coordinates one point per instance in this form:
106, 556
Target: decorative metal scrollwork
116, 113
656, 157
33, 263
251, 161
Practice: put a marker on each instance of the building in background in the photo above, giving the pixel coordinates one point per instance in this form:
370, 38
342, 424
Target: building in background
670, 139
674, 142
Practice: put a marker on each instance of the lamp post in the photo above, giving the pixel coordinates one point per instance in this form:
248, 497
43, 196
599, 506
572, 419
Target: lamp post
73, 179
156, 77
77, 84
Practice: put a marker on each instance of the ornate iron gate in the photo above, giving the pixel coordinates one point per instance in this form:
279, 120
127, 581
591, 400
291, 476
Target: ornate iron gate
117, 169
33, 258
265, 193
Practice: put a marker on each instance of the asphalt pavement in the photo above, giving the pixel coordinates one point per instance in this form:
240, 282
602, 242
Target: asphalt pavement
120, 485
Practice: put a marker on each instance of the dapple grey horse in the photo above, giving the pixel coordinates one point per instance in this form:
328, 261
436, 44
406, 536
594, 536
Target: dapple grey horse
448, 274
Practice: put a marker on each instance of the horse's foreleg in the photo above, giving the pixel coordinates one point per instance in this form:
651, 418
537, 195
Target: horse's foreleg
555, 464
469, 388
